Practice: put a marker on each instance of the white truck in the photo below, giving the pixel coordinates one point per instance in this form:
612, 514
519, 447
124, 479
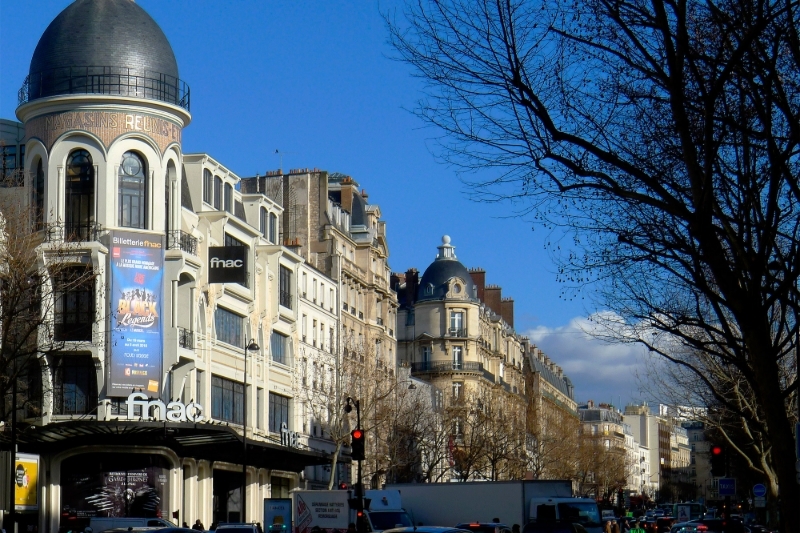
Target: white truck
509, 502
331, 510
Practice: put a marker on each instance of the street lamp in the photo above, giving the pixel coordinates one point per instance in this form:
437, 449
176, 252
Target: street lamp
252, 347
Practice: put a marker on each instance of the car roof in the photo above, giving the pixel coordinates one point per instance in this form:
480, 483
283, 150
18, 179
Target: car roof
426, 529
465, 525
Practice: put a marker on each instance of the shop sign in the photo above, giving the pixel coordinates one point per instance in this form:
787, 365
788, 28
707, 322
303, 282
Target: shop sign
227, 264
26, 482
159, 411
289, 438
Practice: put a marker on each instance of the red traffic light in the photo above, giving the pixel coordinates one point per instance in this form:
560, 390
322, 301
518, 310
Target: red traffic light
357, 434
716, 450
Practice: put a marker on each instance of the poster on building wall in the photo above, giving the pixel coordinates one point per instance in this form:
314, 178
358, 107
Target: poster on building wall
108, 489
136, 292
26, 482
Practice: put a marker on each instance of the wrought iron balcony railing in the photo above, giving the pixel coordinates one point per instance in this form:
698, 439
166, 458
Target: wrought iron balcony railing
185, 338
106, 80
180, 240
435, 367
73, 232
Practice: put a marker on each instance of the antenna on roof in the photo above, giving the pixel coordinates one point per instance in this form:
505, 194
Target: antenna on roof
280, 155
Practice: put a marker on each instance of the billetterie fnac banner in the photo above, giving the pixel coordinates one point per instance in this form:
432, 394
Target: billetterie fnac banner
137, 287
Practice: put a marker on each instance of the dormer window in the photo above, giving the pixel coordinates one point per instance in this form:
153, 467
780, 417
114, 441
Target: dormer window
429, 289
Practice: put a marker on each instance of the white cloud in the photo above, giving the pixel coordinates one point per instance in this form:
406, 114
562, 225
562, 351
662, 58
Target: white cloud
600, 370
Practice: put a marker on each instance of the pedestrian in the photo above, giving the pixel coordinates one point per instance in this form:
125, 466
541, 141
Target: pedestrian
607, 527
198, 525
185, 525
626, 526
515, 528
213, 526
614, 527
637, 528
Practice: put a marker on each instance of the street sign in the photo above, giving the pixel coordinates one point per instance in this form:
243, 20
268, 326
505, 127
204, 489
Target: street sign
760, 502
759, 490
727, 486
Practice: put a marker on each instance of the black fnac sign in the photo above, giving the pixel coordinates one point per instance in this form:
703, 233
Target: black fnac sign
227, 264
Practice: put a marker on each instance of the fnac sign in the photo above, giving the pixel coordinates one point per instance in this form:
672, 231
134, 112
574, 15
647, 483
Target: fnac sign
227, 264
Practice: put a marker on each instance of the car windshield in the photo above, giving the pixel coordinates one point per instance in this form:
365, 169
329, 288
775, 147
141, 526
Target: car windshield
388, 519
583, 513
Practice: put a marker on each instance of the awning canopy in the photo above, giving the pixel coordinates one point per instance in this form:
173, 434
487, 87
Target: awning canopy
209, 441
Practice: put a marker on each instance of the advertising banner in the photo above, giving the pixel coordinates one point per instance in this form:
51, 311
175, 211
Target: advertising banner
227, 264
26, 482
137, 286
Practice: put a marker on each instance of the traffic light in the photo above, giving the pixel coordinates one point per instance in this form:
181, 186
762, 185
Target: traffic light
343, 486
357, 444
718, 460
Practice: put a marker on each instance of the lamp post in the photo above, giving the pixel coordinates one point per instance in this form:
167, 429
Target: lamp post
252, 347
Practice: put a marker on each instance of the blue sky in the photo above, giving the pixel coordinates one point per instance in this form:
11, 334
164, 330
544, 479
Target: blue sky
314, 80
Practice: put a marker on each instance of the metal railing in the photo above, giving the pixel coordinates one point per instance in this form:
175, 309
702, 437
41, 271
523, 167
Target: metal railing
433, 367
286, 299
180, 240
105, 80
457, 332
185, 338
74, 232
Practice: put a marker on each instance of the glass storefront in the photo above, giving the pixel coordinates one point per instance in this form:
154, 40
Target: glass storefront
113, 485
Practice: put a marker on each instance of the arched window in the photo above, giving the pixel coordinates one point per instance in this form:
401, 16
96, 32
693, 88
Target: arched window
229, 198
208, 186
132, 191
262, 219
79, 209
273, 228
37, 193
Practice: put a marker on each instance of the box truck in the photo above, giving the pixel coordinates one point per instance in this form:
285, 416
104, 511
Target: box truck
331, 510
509, 502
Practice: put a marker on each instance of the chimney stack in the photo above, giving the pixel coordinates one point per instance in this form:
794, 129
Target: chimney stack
348, 189
493, 294
479, 280
412, 283
507, 310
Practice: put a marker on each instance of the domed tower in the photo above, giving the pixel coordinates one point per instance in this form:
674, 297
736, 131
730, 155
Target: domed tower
446, 277
103, 110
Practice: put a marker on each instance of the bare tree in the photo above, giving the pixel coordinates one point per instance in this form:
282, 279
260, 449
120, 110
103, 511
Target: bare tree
555, 433
664, 136
37, 278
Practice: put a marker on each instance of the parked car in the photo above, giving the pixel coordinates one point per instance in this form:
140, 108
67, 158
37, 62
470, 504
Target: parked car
485, 527
555, 526
233, 527
721, 526
425, 529
684, 527
100, 523
146, 529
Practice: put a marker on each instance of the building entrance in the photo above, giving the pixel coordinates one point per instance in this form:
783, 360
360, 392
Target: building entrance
227, 496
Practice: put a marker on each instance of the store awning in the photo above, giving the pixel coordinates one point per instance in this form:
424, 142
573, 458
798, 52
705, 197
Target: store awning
209, 441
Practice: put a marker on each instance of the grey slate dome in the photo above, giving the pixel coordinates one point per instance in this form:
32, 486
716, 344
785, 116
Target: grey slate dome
105, 47
434, 282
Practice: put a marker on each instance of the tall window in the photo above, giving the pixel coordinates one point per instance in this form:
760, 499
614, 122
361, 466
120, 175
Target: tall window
79, 200
426, 355
217, 193
279, 486
229, 198
458, 357
132, 191
263, 221
273, 228
230, 327
456, 322
37, 196
74, 304
227, 399
286, 287
279, 347
74, 385
278, 412
233, 241
208, 186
